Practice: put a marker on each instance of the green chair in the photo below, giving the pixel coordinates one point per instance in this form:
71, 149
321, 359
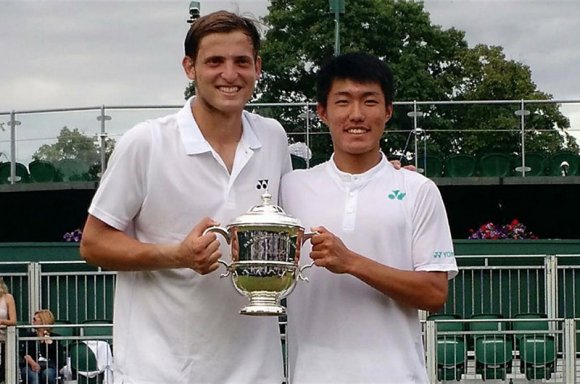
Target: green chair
483, 328
493, 356
42, 171
72, 170
66, 329
528, 322
493, 350
495, 165
447, 326
83, 360
21, 173
100, 328
459, 166
537, 356
451, 358
451, 349
430, 166
555, 163
478, 326
535, 164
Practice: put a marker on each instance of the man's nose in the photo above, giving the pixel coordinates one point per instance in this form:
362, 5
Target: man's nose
230, 72
356, 112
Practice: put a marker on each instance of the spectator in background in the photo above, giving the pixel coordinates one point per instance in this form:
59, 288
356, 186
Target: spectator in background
41, 359
7, 318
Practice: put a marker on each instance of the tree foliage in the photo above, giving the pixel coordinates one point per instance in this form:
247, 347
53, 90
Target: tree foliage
73, 144
429, 63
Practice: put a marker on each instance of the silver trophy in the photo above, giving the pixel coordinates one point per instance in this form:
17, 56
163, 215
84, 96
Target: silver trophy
265, 251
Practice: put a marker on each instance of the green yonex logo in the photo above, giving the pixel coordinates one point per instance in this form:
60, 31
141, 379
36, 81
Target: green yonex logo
442, 254
396, 194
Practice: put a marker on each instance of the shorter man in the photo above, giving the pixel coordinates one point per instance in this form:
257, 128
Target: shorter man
383, 242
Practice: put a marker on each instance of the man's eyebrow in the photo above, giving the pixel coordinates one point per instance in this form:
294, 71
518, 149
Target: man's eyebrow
222, 57
348, 93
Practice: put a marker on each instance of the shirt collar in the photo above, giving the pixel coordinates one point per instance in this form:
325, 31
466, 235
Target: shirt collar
357, 178
193, 140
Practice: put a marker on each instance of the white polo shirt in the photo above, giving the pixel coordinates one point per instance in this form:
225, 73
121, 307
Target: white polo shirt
176, 326
341, 330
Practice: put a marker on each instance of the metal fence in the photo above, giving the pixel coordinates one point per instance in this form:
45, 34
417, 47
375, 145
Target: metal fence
508, 317
22, 133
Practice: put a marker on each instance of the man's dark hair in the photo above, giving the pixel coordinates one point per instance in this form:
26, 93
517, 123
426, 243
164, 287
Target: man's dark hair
220, 22
357, 66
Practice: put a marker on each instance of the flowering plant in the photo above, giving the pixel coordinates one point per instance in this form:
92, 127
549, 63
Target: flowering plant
74, 236
514, 230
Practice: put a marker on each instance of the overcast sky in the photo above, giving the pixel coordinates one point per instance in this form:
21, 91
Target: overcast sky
63, 54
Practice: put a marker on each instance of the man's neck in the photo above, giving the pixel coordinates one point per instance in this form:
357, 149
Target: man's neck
357, 164
216, 126
223, 131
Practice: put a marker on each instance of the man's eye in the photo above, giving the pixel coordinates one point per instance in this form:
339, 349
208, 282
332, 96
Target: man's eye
214, 61
244, 62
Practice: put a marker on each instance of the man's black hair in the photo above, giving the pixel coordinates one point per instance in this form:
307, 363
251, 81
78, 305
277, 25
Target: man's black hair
357, 66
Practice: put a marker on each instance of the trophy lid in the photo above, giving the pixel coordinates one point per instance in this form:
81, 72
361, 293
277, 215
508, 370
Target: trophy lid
266, 213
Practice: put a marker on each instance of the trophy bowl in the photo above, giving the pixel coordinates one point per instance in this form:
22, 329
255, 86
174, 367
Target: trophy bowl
265, 247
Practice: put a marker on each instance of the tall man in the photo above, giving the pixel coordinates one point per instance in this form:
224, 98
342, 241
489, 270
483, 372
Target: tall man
175, 321
383, 246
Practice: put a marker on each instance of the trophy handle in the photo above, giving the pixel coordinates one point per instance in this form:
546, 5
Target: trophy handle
222, 231
307, 236
227, 268
226, 235
301, 269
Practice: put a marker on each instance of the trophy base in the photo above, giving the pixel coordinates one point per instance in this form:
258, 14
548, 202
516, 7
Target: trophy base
263, 304
263, 310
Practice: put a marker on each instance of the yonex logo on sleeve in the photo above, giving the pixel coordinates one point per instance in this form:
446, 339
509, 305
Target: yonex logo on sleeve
442, 254
397, 194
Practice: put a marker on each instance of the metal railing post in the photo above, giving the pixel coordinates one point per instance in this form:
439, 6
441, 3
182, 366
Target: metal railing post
523, 123
416, 131
307, 135
34, 294
551, 276
570, 350
103, 137
431, 347
11, 360
522, 112
13, 124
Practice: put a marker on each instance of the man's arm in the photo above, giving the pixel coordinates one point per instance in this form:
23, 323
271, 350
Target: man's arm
11, 306
418, 289
112, 249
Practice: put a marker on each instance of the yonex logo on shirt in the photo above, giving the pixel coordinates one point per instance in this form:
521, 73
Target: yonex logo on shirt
441, 254
396, 194
262, 184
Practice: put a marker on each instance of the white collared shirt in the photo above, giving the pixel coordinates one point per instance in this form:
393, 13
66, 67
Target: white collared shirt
341, 330
176, 326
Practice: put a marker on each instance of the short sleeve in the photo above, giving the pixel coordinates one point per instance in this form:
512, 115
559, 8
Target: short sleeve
123, 186
432, 242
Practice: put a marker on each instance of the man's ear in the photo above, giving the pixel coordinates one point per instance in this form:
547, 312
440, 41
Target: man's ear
258, 67
389, 112
189, 67
321, 110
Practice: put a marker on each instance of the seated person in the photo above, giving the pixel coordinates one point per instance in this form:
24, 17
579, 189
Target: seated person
42, 358
7, 318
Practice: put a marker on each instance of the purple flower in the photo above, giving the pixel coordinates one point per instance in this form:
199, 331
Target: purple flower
490, 231
74, 236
